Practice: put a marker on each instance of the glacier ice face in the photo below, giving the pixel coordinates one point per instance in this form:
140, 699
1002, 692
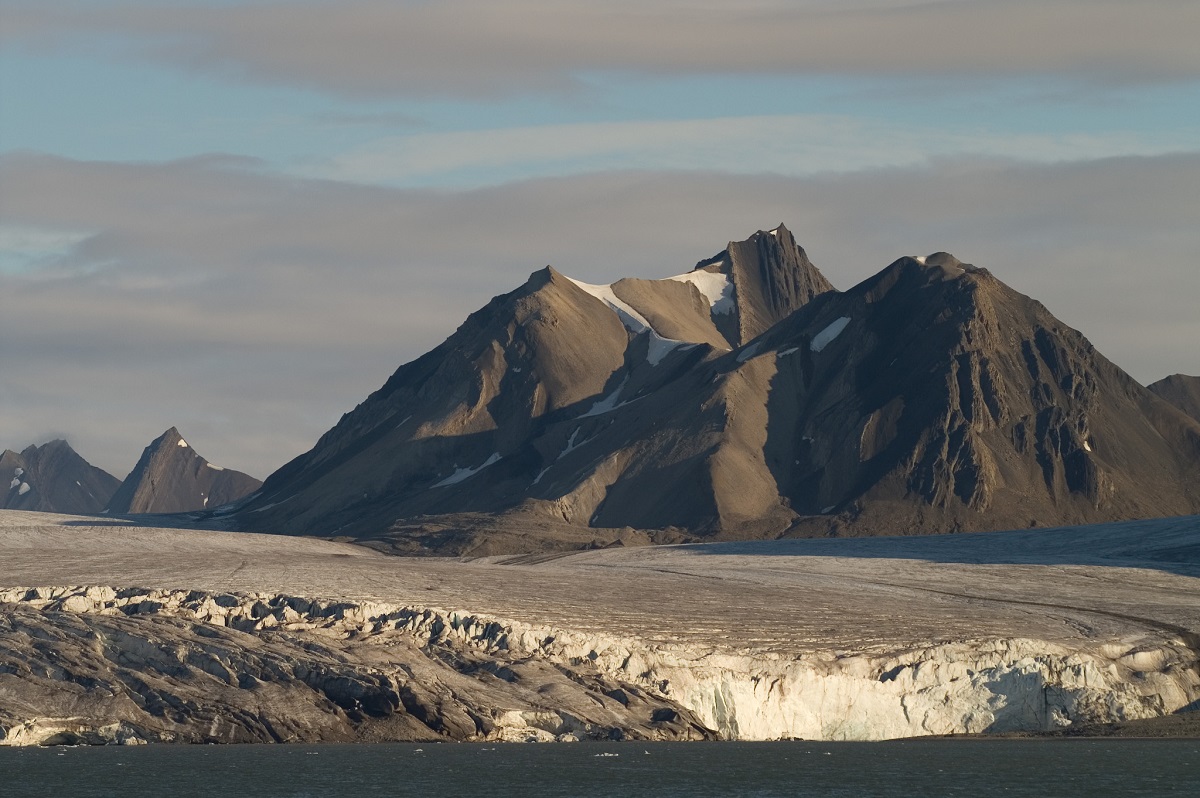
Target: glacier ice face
987, 685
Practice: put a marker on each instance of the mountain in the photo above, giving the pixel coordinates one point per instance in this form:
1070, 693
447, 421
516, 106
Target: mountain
744, 399
1180, 390
171, 477
54, 478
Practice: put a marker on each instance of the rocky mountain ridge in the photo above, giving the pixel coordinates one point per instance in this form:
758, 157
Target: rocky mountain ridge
1181, 390
53, 478
744, 399
172, 477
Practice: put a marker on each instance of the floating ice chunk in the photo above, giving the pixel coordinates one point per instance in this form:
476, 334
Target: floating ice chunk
461, 474
607, 403
826, 336
717, 288
15, 481
748, 352
628, 316
182, 443
214, 467
24, 489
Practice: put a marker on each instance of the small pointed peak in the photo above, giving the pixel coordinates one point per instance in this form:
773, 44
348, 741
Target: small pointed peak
547, 276
169, 438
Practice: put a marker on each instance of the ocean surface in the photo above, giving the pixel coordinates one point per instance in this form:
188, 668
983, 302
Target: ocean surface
899, 768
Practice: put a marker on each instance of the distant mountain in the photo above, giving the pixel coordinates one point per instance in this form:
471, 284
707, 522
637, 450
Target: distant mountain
171, 477
53, 478
745, 398
1182, 391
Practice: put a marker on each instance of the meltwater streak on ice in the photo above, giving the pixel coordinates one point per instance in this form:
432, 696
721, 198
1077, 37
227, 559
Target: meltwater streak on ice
1064, 768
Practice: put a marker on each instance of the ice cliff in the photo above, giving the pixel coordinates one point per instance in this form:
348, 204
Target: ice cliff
100, 665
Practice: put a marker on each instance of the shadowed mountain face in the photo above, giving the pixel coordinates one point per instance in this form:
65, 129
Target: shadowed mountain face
744, 399
171, 477
1182, 391
54, 478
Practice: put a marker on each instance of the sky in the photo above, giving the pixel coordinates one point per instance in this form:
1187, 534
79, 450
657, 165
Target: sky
239, 217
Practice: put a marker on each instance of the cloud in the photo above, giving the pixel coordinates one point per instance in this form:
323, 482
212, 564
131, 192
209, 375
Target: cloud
252, 309
793, 144
481, 48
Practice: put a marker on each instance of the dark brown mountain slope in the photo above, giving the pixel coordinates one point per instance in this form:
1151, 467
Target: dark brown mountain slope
929, 398
1180, 390
53, 478
171, 477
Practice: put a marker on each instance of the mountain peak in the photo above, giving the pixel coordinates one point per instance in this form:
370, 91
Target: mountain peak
52, 477
172, 477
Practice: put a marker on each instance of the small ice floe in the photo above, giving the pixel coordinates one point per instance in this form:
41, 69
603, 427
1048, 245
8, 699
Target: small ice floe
825, 337
608, 753
461, 474
23, 489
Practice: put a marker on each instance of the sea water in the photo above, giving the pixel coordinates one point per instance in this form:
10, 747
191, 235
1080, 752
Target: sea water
973, 768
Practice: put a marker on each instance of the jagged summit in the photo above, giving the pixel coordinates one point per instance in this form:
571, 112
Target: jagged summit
54, 478
171, 477
743, 398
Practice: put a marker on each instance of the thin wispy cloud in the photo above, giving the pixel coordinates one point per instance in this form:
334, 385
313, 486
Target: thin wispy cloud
785, 144
480, 48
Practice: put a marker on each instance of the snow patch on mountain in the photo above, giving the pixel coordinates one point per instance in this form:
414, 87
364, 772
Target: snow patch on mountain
717, 288
826, 336
748, 352
461, 474
629, 317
